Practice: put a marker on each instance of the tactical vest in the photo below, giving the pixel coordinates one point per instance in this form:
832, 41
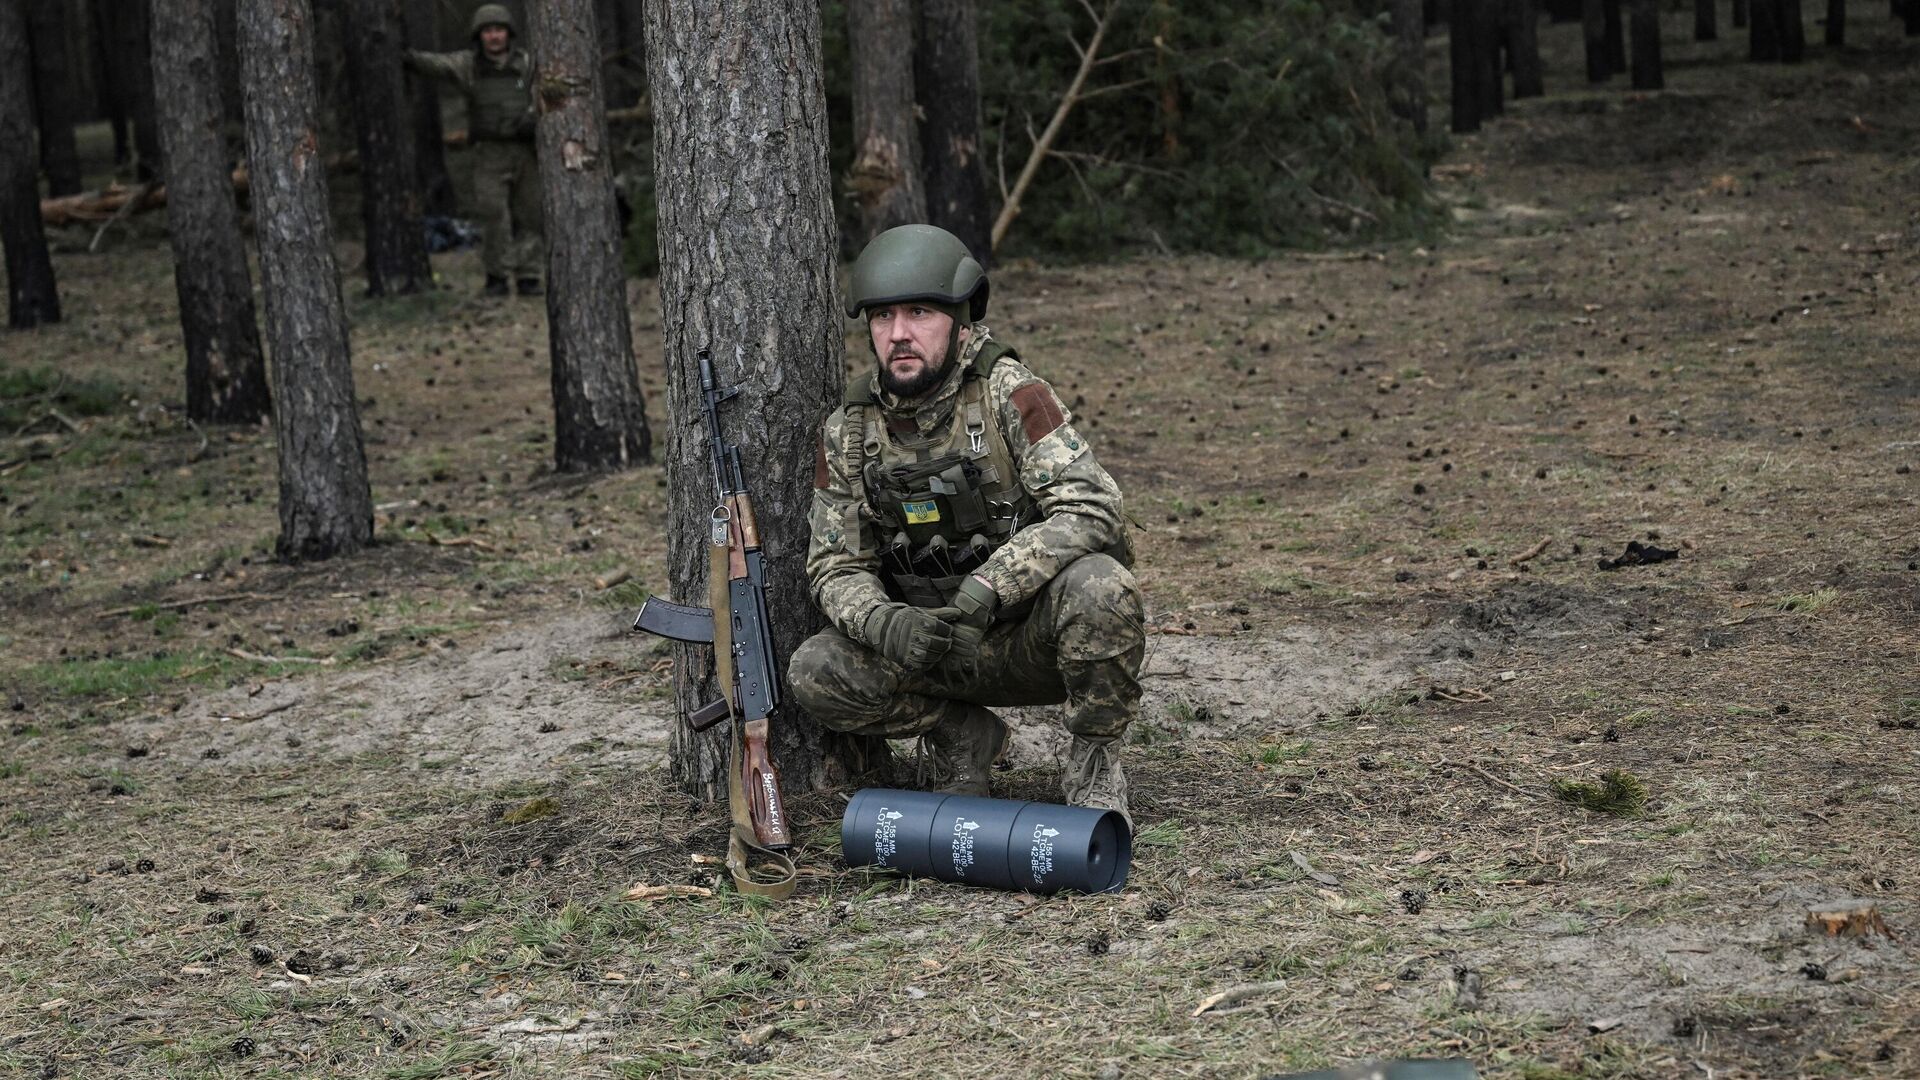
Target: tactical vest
942, 504
497, 109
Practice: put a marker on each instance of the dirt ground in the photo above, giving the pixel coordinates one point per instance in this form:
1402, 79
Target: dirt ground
374, 818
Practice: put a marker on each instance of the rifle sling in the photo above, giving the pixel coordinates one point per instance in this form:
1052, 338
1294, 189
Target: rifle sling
775, 878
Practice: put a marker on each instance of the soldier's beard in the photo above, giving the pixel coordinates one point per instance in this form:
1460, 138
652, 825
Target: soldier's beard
928, 377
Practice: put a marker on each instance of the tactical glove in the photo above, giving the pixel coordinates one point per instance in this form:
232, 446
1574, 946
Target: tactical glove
971, 614
915, 638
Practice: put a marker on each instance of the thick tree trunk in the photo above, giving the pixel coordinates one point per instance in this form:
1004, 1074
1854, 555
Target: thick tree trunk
54, 94
396, 259
1705, 20
1523, 45
432, 181
1616, 37
747, 253
885, 176
1488, 26
131, 67
1593, 27
31, 296
946, 73
226, 371
1763, 37
1463, 68
1836, 24
1648, 72
1409, 89
325, 506
1793, 31
600, 419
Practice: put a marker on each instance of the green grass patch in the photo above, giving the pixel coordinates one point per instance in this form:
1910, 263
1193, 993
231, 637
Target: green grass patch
1618, 792
1808, 603
31, 394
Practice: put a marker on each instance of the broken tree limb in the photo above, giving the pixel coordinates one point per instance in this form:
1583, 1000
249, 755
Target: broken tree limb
1089, 58
1531, 553
223, 598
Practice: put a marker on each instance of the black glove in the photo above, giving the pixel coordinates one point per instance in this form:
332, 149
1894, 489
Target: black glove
915, 638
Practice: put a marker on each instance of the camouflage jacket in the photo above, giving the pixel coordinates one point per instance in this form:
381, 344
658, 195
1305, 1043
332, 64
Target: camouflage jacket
1080, 502
499, 96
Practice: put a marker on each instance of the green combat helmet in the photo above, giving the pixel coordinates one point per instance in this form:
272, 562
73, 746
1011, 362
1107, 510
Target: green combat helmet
490, 15
918, 262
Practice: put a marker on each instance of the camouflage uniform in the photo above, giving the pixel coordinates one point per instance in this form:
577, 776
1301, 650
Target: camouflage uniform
506, 177
1069, 625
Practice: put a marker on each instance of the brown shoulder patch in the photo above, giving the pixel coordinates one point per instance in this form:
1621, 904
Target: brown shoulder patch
1040, 411
821, 478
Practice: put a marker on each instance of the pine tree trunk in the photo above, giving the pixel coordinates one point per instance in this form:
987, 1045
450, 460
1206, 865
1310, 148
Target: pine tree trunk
1739, 14
232, 111
54, 94
1705, 21
1523, 45
1593, 27
130, 75
1616, 37
946, 73
1793, 31
226, 371
600, 419
624, 44
1648, 72
1488, 25
396, 259
1763, 34
431, 179
1463, 68
1410, 62
885, 176
325, 506
1836, 24
31, 296
747, 253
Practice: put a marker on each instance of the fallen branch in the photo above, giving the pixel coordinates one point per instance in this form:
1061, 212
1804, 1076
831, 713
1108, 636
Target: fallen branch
1492, 779
1234, 995
324, 661
1531, 553
666, 892
1089, 56
140, 193
224, 598
460, 541
248, 718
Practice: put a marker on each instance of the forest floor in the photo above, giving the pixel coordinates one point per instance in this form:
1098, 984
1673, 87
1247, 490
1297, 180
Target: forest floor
375, 817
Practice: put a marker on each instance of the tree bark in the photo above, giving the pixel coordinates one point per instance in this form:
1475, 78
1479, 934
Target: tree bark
227, 47
885, 175
1705, 20
946, 73
1463, 67
1836, 24
1648, 72
396, 261
1763, 38
325, 506
1593, 26
131, 69
1409, 89
31, 296
226, 371
600, 419
1523, 45
1488, 24
431, 178
1793, 31
747, 253
1616, 37
54, 94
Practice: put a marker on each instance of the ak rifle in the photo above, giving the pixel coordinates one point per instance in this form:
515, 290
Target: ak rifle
744, 666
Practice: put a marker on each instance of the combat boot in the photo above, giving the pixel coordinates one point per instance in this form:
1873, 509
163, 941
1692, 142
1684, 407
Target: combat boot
1093, 776
495, 286
963, 747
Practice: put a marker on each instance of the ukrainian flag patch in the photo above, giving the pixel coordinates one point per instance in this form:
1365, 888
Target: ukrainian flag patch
921, 513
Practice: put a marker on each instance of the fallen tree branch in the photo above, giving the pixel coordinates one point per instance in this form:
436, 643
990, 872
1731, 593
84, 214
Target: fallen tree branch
1088, 57
223, 598
242, 654
1531, 553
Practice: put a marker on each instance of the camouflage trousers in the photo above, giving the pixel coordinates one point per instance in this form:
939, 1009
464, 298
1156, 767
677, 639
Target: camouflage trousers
1080, 643
506, 196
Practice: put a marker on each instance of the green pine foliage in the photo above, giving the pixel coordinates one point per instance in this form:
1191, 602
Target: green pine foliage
1619, 793
1227, 126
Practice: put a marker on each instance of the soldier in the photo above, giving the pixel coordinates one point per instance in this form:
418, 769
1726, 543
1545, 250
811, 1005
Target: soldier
966, 547
497, 80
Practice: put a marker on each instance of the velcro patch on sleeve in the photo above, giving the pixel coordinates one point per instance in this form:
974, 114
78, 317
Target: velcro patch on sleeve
1040, 411
821, 478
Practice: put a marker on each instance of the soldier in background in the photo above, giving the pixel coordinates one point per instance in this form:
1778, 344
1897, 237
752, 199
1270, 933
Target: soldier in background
497, 81
966, 548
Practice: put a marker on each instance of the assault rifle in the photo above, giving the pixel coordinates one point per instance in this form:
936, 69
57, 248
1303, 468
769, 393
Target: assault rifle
744, 666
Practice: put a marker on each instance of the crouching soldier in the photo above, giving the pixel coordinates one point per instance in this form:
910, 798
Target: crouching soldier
967, 549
